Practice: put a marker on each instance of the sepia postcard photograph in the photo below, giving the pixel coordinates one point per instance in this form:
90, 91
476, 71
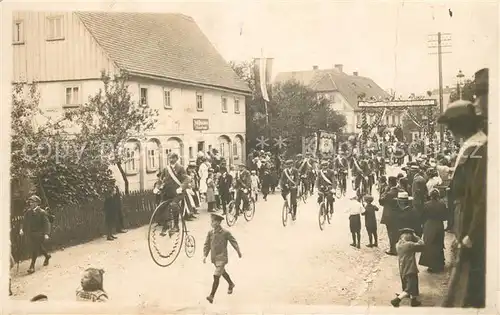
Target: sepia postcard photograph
256, 157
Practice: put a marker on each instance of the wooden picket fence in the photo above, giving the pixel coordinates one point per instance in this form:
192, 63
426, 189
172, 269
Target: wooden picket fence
74, 225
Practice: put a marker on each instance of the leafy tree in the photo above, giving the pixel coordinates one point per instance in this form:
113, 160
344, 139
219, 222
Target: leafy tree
467, 92
111, 117
298, 112
47, 160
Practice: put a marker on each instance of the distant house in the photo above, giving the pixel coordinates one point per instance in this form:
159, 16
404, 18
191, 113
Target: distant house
173, 68
342, 89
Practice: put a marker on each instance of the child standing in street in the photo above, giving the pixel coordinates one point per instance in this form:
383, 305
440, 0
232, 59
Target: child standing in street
371, 221
355, 211
255, 185
216, 245
406, 248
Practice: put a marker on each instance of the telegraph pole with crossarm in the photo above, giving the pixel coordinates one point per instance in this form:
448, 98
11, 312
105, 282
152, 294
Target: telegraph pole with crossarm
440, 41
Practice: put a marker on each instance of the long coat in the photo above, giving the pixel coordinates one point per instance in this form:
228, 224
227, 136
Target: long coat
434, 214
467, 281
388, 202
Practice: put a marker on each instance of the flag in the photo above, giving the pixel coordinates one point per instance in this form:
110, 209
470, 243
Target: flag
263, 70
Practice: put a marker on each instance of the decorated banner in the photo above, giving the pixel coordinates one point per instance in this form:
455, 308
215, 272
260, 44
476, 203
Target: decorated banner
263, 70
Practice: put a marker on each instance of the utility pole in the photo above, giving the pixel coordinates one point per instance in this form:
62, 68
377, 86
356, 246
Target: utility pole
436, 41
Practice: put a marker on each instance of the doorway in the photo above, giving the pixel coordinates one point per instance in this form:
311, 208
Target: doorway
201, 146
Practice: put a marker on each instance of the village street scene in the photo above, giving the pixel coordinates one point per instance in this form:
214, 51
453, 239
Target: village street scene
168, 161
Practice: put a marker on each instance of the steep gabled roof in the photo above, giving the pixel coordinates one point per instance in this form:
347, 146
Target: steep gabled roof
350, 86
169, 46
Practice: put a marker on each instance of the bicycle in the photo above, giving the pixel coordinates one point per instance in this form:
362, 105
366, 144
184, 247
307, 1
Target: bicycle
286, 211
324, 214
248, 213
177, 237
341, 184
302, 190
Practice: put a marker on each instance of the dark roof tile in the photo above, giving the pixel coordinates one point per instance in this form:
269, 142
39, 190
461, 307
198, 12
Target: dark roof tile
165, 45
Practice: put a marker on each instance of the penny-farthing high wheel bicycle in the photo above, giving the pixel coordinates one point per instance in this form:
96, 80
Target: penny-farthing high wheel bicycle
248, 212
164, 241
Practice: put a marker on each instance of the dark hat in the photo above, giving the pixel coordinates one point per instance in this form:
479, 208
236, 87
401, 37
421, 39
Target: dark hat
406, 230
173, 155
325, 163
299, 155
400, 175
457, 109
39, 297
289, 162
35, 198
218, 216
481, 83
368, 198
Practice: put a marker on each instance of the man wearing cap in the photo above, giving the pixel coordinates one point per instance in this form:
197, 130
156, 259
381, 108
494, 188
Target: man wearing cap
242, 186
468, 191
303, 166
175, 182
289, 182
388, 202
342, 166
37, 227
326, 185
419, 191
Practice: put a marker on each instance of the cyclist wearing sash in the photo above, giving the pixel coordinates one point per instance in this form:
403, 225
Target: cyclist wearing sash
326, 185
341, 166
289, 182
175, 182
242, 185
357, 172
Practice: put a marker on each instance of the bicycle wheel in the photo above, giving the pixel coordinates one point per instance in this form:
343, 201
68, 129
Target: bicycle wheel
164, 249
321, 216
250, 212
231, 214
190, 246
284, 214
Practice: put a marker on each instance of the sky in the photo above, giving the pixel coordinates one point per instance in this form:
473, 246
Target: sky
384, 40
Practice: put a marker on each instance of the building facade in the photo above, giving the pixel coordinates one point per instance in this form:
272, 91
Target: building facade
173, 68
343, 90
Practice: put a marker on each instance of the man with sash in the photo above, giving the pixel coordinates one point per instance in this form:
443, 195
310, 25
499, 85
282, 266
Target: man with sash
356, 171
341, 166
289, 183
175, 183
303, 166
468, 191
242, 185
326, 185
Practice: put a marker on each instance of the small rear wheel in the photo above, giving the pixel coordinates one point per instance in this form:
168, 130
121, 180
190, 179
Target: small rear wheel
250, 212
231, 214
190, 245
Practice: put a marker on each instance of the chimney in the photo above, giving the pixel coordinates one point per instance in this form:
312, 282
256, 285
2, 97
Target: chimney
339, 67
315, 67
355, 73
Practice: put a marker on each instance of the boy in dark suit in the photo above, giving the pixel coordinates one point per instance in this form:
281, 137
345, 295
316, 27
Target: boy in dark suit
371, 221
224, 184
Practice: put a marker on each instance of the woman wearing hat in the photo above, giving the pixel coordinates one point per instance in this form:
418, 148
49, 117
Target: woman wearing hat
468, 193
434, 214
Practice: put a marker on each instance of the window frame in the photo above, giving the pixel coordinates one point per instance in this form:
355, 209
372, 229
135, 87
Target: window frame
223, 103
236, 101
202, 101
165, 105
79, 95
49, 21
155, 158
146, 88
21, 38
132, 159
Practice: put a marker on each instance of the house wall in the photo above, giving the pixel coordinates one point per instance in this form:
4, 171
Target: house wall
73, 56
76, 61
340, 104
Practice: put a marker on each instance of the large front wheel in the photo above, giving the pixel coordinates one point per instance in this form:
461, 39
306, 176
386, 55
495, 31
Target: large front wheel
164, 241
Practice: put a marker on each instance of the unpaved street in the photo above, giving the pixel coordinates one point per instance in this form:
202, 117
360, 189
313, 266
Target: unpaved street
297, 264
